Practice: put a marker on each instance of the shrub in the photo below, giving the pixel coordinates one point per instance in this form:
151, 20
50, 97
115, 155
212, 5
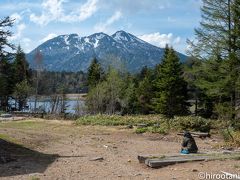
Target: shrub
160, 130
152, 129
236, 137
231, 137
141, 130
191, 123
117, 120
225, 134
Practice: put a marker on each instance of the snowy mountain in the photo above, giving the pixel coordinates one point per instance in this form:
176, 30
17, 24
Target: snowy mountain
74, 53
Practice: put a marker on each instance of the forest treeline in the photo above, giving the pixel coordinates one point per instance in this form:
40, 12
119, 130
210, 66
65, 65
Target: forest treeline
19, 82
160, 90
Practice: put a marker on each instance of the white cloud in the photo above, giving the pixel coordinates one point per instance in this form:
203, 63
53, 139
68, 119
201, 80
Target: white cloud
135, 6
103, 26
177, 40
17, 17
49, 36
26, 44
18, 33
53, 11
88, 9
17, 37
161, 40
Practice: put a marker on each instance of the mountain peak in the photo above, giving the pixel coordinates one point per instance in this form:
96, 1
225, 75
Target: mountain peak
98, 36
121, 36
73, 53
122, 32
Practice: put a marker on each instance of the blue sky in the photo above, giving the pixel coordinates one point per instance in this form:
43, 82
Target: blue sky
155, 21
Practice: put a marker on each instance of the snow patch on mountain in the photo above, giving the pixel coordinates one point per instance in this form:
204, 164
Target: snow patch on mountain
95, 45
74, 53
66, 39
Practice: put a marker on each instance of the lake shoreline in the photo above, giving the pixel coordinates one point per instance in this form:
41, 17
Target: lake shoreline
81, 96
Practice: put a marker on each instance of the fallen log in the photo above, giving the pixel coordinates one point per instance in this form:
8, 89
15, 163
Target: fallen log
197, 134
165, 160
142, 125
156, 163
142, 158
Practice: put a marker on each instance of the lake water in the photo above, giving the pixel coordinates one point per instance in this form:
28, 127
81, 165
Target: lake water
72, 106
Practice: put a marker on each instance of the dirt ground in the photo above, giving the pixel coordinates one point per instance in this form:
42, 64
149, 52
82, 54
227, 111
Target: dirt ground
61, 150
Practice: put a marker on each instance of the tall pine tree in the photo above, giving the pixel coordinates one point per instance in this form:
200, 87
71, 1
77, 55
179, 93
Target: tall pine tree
95, 73
21, 78
145, 91
218, 37
6, 70
171, 89
6, 82
21, 66
5, 34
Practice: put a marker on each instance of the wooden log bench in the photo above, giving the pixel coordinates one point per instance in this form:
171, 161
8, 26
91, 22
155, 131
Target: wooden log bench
159, 161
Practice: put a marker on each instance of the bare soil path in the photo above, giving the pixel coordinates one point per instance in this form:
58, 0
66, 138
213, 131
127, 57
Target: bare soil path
61, 150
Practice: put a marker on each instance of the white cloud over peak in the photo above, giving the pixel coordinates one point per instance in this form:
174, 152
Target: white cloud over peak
18, 34
103, 26
52, 10
26, 44
88, 9
49, 36
161, 40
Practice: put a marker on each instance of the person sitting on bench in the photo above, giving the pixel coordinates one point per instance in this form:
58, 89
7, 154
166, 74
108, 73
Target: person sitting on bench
188, 145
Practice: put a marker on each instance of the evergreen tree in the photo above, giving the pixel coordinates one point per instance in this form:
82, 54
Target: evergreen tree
208, 85
143, 73
6, 82
95, 73
129, 99
171, 89
20, 66
21, 78
218, 31
6, 71
145, 92
5, 34
218, 40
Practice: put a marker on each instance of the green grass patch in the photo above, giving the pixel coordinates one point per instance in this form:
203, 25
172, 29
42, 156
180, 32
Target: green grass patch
35, 178
161, 130
141, 130
8, 138
24, 124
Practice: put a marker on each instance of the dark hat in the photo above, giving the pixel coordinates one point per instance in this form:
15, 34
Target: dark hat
187, 134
